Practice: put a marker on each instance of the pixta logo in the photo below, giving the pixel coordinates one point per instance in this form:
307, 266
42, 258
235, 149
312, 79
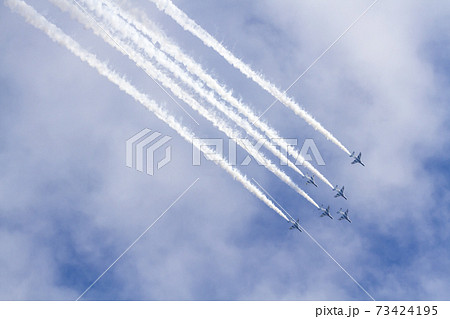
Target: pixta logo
308, 152
141, 151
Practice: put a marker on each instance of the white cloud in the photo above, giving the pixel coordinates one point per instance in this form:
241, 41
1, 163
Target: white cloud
377, 90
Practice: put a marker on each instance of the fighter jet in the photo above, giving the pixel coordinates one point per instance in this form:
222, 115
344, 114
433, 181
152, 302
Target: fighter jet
310, 180
340, 192
344, 215
357, 159
295, 225
326, 212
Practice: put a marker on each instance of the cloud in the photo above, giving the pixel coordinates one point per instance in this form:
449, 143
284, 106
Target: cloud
69, 206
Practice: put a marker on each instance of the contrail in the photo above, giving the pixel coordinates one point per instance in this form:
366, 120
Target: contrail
149, 29
112, 14
153, 72
58, 36
190, 25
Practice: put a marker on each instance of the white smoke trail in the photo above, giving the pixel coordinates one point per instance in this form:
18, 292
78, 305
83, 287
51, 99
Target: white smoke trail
149, 29
141, 42
106, 33
57, 35
190, 25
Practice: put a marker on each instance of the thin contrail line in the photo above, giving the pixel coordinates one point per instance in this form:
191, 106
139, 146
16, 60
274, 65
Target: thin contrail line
126, 53
319, 57
137, 239
316, 242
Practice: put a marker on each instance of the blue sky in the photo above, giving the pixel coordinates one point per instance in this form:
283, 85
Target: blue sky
69, 205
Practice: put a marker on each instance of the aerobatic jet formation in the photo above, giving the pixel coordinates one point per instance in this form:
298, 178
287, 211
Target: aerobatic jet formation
187, 80
344, 215
340, 192
357, 159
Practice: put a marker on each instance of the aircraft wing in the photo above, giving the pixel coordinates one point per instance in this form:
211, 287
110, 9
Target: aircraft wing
337, 195
354, 162
359, 156
342, 189
341, 218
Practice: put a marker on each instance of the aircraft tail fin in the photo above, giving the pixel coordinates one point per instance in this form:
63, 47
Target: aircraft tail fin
353, 154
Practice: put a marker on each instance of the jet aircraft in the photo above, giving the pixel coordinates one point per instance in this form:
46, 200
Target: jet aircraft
326, 212
295, 224
357, 159
310, 180
340, 192
344, 215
